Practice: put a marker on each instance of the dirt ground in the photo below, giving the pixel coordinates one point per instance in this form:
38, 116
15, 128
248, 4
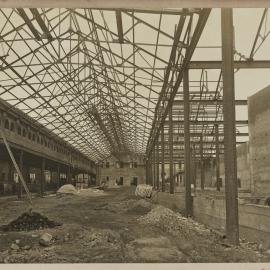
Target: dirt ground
115, 226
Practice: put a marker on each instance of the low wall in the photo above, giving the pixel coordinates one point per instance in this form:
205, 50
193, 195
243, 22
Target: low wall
209, 209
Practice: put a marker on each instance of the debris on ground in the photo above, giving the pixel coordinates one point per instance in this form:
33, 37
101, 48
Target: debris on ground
144, 191
45, 239
155, 249
14, 246
67, 189
171, 221
139, 207
99, 238
151, 233
30, 221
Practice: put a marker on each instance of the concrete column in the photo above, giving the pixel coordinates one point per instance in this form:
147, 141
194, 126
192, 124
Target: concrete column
21, 169
230, 161
42, 176
58, 175
69, 175
187, 156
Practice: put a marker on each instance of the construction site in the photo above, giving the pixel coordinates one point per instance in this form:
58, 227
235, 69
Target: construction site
134, 135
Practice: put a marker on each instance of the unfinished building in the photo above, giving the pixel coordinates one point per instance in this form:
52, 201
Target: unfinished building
111, 102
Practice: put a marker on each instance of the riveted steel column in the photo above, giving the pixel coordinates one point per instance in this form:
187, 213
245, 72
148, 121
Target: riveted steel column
146, 170
230, 162
188, 198
162, 161
202, 163
157, 155
217, 157
154, 168
171, 150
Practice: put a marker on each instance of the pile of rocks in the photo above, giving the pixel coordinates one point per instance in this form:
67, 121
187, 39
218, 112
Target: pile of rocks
30, 221
172, 222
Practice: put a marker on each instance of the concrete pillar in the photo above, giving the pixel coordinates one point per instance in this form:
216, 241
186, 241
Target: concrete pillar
58, 175
21, 169
42, 176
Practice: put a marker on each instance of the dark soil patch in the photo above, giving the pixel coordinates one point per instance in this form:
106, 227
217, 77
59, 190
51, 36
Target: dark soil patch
30, 221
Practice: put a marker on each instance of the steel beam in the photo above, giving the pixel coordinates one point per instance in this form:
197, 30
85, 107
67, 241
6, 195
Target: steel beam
198, 134
193, 43
29, 23
41, 23
119, 26
188, 197
205, 122
230, 161
237, 64
209, 102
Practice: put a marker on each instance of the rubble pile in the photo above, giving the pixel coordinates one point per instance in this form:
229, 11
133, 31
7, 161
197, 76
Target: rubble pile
67, 189
144, 191
172, 222
97, 238
30, 221
139, 207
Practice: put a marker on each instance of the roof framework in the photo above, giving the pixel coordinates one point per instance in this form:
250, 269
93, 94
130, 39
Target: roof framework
104, 79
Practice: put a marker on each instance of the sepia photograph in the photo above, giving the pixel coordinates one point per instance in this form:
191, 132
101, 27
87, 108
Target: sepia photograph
132, 133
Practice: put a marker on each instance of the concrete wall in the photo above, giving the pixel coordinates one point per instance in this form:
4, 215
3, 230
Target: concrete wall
209, 209
259, 132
